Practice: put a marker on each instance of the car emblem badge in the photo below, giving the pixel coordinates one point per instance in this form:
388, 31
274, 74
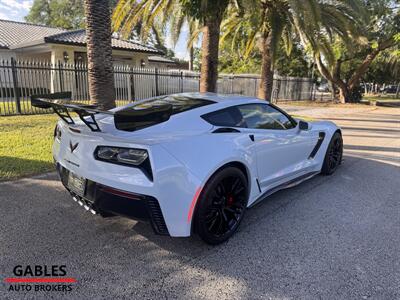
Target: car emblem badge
72, 147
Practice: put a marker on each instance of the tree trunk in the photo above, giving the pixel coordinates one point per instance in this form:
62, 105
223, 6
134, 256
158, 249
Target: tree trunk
347, 94
99, 53
398, 90
344, 94
209, 54
267, 74
191, 58
333, 90
362, 69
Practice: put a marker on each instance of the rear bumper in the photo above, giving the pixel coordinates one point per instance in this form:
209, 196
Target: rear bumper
108, 201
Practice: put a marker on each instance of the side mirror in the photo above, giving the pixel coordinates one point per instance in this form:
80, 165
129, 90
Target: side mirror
303, 125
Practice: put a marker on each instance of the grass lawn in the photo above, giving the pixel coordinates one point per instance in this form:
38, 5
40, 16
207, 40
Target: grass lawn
25, 145
381, 98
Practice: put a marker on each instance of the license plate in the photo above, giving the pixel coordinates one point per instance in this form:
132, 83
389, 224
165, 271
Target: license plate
76, 184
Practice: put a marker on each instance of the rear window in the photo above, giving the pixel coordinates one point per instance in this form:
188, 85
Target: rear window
179, 103
155, 111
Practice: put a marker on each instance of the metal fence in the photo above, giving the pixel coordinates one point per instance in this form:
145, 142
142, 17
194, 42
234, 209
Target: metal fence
21, 79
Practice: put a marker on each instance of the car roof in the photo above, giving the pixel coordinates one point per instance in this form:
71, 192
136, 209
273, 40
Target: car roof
216, 101
188, 118
216, 97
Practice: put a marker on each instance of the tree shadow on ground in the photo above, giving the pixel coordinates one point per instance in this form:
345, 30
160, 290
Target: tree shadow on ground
372, 148
362, 120
307, 241
15, 167
330, 237
372, 136
370, 129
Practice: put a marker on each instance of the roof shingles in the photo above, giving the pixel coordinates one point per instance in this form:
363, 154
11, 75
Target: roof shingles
78, 37
13, 34
161, 59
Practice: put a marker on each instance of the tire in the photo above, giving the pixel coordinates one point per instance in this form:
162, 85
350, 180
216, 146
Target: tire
221, 206
333, 156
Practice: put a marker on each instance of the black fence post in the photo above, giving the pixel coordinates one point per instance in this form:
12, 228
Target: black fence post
156, 81
255, 87
199, 77
17, 96
61, 76
276, 90
313, 91
181, 82
132, 82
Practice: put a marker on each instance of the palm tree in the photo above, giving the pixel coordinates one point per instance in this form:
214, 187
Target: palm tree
99, 52
208, 13
261, 23
267, 22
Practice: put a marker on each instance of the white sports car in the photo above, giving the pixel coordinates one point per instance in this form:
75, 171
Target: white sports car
187, 163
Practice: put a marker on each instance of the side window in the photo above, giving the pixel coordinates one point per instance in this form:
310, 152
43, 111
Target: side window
229, 117
263, 116
281, 117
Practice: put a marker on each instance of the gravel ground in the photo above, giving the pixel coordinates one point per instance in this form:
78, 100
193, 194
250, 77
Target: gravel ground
331, 237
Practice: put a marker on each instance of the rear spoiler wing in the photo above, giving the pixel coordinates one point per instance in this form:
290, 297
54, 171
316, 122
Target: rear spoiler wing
57, 101
125, 119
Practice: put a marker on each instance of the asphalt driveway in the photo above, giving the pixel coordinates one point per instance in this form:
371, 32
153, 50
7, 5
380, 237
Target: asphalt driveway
334, 237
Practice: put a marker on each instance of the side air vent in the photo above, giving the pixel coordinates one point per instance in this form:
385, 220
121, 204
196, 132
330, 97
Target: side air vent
225, 130
321, 138
157, 217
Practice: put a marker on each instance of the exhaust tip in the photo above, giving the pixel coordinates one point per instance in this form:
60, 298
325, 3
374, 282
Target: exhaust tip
85, 206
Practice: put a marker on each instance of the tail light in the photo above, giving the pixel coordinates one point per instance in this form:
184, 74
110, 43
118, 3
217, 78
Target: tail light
130, 157
57, 133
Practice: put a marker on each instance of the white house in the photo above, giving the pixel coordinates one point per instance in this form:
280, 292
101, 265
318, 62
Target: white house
24, 41
38, 43
61, 57
160, 62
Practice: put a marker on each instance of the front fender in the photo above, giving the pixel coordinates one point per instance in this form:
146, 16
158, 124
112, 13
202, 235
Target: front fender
329, 128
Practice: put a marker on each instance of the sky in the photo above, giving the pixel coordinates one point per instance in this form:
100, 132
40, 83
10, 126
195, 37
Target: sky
16, 10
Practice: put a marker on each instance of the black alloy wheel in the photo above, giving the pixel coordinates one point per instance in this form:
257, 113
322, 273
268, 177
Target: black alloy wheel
333, 156
221, 205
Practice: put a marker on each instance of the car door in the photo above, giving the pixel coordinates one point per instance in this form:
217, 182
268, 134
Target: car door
282, 149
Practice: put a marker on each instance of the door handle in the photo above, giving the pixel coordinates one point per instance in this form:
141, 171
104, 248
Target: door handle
251, 136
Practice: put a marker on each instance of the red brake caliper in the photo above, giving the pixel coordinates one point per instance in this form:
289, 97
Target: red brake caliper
230, 200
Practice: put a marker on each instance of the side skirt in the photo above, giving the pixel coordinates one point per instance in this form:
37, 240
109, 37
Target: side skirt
286, 185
